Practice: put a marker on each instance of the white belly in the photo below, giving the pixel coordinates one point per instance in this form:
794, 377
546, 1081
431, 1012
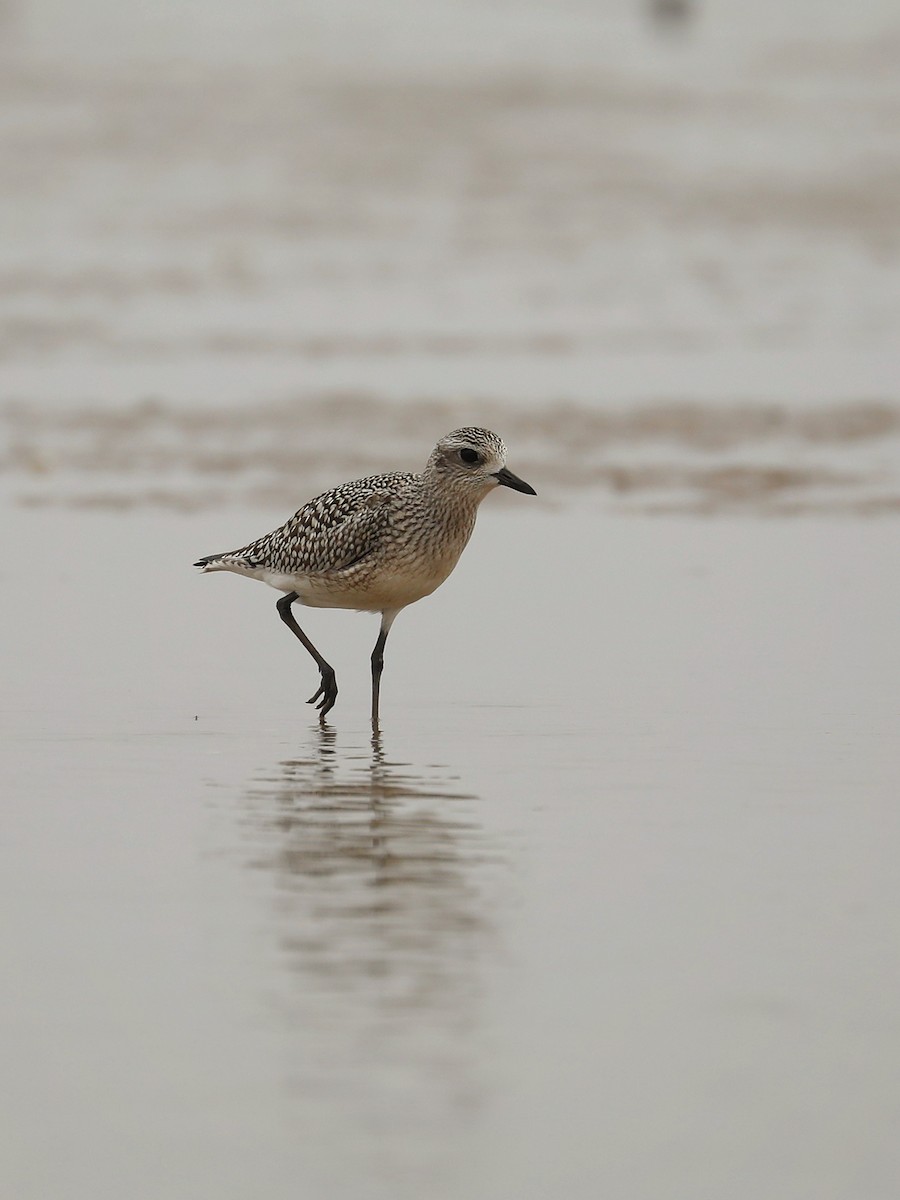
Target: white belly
375, 592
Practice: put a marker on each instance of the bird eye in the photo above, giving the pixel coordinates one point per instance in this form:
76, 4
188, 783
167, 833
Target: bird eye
471, 457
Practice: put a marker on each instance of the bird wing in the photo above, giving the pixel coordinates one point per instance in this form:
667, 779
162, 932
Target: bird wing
332, 532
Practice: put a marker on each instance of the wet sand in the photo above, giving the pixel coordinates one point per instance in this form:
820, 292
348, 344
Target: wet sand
664, 458
610, 908
618, 223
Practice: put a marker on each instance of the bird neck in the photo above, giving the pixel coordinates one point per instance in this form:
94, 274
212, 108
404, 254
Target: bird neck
452, 509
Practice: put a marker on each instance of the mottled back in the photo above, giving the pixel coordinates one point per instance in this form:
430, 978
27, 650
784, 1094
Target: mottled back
331, 532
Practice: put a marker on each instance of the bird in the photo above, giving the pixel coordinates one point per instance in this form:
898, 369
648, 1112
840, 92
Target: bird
376, 544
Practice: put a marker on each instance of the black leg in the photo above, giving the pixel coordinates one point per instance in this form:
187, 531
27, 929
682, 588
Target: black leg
328, 687
387, 619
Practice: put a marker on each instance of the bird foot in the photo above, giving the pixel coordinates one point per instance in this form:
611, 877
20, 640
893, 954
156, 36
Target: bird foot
326, 694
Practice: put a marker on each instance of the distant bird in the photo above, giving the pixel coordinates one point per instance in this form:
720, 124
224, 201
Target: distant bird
376, 544
671, 13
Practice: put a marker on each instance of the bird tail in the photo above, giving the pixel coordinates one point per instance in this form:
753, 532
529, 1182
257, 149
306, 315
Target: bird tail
221, 562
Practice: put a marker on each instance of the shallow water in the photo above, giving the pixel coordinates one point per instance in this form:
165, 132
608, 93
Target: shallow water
610, 907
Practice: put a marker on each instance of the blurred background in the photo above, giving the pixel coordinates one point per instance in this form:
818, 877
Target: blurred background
655, 242
611, 908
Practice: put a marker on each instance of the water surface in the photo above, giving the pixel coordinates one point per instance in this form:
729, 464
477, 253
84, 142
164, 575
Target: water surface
609, 907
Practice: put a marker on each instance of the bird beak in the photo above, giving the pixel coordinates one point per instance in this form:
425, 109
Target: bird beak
513, 481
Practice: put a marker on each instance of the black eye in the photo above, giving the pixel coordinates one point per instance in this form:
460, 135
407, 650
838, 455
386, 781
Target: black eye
470, 456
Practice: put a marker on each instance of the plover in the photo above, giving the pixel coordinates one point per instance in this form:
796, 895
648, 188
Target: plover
376, 544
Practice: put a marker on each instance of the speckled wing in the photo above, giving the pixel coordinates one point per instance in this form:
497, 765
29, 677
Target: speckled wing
332, 532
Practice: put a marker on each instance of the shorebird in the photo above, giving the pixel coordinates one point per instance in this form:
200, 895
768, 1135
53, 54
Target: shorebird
376, 544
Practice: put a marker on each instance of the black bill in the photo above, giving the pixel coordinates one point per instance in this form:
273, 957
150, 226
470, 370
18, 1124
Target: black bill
513, 481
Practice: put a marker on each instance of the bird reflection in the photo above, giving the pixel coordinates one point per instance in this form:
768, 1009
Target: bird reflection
379, 872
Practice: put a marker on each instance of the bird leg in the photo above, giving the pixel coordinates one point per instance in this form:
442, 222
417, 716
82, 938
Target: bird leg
387, 619
327, 689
